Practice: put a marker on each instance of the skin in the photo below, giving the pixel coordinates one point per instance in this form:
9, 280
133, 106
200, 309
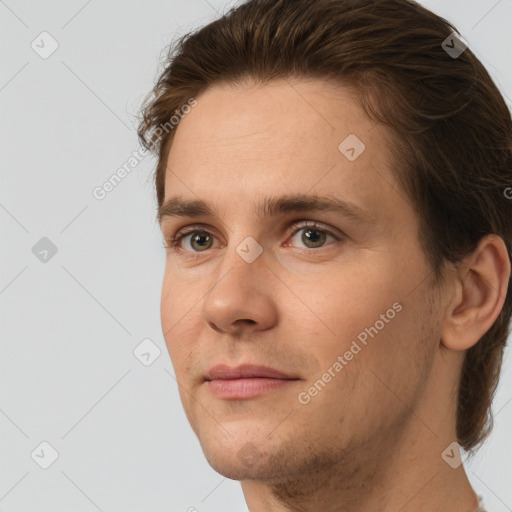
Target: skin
372, 438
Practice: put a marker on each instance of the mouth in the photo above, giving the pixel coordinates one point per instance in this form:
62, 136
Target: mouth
245, 381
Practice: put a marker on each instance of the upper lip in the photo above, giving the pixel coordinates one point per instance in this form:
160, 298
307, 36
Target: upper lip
244, 371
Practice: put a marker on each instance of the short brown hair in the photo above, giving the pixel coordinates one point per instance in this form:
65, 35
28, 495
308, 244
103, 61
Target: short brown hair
450, 126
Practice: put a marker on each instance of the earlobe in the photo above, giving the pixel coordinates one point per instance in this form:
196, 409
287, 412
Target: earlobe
481, 283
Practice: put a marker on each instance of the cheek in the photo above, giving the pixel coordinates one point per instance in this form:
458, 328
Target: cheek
365, 313
379, 381
396, 361
177, 313
342, 300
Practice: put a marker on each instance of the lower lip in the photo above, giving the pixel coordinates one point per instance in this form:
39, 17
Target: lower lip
245, 388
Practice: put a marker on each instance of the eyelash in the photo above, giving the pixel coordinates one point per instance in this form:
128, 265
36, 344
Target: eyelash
174, 241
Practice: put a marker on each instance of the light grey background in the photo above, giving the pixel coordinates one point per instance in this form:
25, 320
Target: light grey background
69, 326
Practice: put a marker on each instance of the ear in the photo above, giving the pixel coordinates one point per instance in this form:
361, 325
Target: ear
480, 287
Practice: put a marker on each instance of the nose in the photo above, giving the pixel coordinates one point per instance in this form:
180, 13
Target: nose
243, 297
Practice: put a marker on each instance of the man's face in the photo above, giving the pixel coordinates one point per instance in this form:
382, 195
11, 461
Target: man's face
270, 291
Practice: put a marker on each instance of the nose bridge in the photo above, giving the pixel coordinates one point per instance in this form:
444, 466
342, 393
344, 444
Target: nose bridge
242, 260
239, 292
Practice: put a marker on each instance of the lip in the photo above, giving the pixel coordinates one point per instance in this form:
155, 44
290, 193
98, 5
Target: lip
245, 371
245, 381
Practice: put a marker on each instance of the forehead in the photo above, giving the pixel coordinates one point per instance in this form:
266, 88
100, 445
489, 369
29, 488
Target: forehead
245, 120
288, 136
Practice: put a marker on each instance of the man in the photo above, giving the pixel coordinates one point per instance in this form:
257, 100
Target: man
337, 289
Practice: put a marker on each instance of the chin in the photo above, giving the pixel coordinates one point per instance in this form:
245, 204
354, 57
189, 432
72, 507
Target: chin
237, 459
231, 466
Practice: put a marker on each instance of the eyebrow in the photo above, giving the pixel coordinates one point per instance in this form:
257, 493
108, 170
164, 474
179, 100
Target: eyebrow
270, 207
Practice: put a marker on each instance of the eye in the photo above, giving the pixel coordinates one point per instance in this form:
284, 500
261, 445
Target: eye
314, 237
201, 237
